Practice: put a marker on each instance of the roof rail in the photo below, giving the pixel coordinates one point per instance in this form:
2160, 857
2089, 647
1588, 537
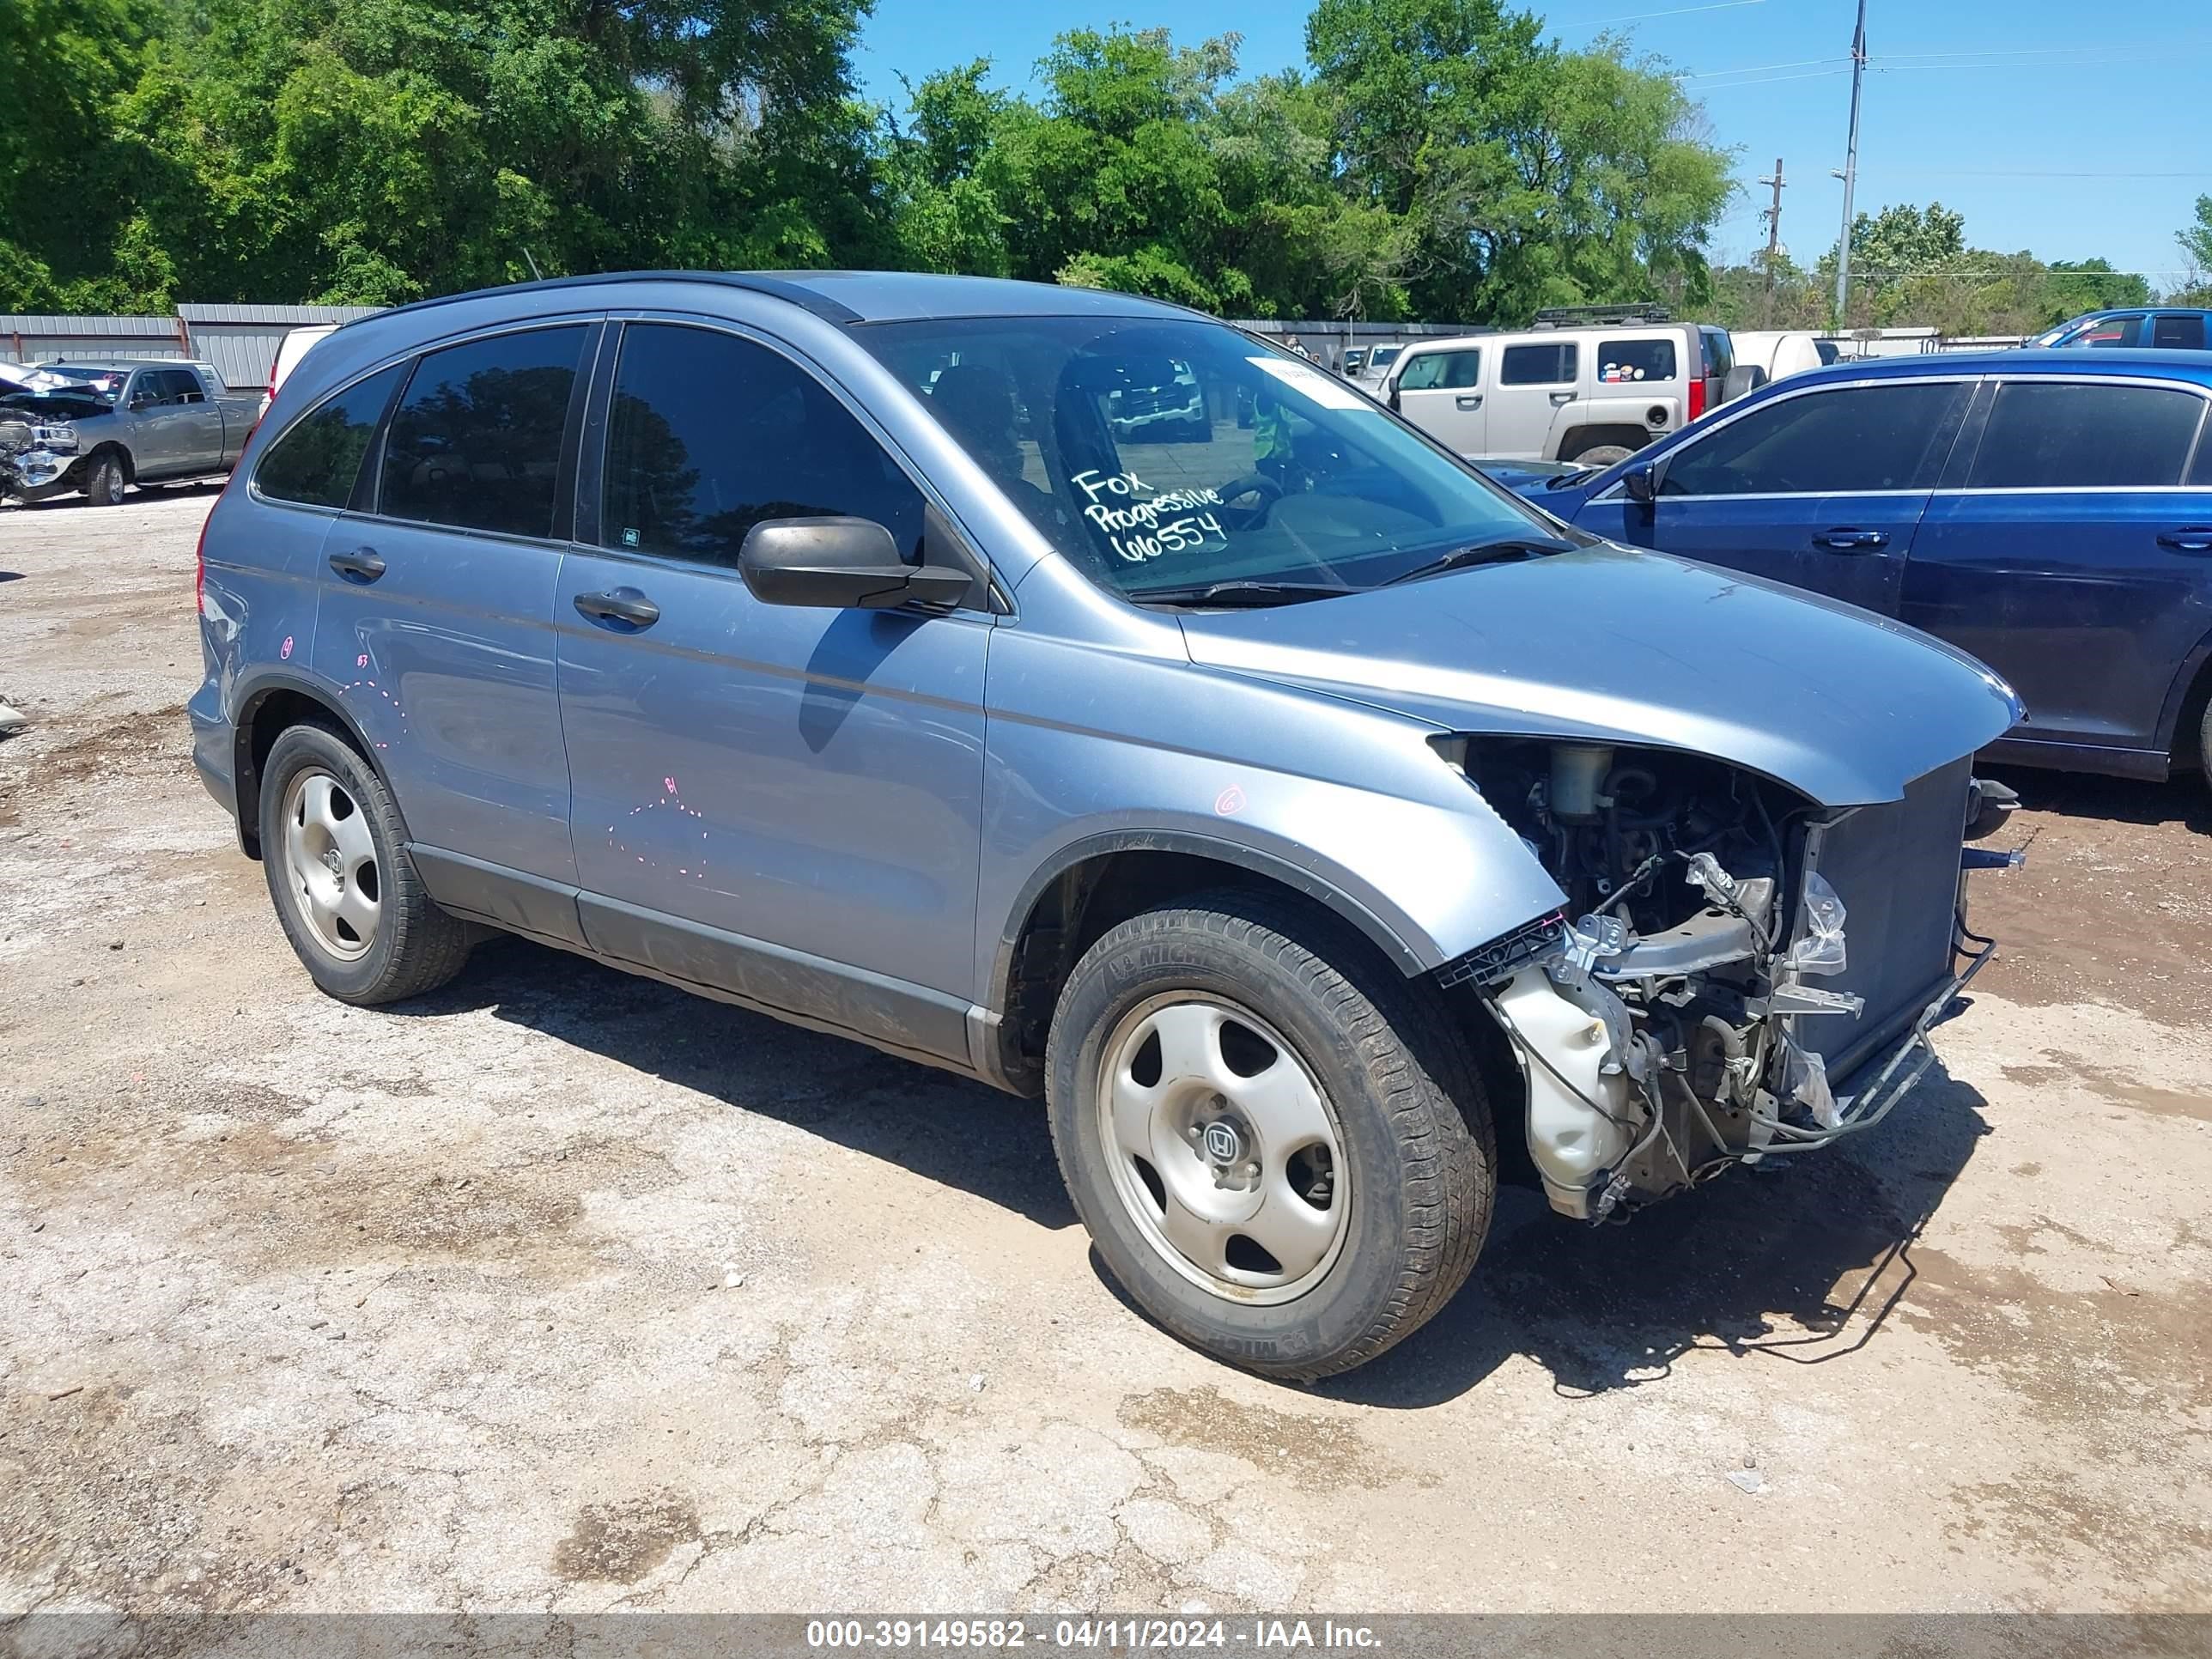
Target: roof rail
1594, 316
758, 282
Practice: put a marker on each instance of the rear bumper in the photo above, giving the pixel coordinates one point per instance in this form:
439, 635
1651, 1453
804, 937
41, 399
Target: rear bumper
215, 746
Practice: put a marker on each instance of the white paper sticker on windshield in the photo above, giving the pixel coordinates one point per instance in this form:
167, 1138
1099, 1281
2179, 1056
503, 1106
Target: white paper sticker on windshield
1324, 389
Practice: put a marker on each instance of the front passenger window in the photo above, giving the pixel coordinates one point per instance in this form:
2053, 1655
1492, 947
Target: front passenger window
710, 434
1460, 370
1846, 441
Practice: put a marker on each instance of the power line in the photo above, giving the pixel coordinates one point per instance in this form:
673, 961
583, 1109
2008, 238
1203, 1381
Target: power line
1678, 11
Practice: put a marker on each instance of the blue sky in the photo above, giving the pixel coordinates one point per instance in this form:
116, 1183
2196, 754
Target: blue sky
2047, 130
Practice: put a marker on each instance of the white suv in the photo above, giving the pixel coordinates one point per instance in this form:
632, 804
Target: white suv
1587, 384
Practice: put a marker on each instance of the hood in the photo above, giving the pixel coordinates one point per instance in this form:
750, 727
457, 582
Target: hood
1633, 648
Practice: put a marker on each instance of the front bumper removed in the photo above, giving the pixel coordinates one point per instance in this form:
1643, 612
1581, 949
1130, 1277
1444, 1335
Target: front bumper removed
1889, 1077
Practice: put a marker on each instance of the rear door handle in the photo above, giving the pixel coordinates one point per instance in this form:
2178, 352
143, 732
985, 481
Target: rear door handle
362, 565
1465, 402
1851, 541
1561, 399
2198, 538
625, 605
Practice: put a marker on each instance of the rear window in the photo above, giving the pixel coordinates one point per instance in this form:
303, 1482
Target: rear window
1719, 350
2069, 436
1623, 360
475, 443
1461, 370
1537, 365
319, 457
2184, 333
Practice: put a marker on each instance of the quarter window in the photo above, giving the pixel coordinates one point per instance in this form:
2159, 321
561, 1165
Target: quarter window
318, 457
709, 434
1844, 441
1621, 361
1434, 369
1537, 365
2067, 435
476, 441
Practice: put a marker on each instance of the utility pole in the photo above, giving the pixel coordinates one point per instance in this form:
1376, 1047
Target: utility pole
1850, 173
1773, 217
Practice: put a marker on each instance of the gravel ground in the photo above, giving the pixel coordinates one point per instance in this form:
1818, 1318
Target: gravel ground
562, 1289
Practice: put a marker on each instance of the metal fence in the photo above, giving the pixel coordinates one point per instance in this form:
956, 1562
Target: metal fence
239, 340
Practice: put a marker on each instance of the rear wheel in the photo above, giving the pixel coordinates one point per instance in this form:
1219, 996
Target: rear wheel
1604, 455
103, 479
1279, 1147
334, 852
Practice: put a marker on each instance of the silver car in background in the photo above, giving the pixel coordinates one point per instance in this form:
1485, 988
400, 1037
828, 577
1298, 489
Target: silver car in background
1297, 813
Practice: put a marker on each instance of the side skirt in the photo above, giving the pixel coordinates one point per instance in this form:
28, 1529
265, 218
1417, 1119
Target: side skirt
900, 1018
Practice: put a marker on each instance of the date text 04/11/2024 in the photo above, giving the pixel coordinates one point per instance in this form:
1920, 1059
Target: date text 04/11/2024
1079, 1635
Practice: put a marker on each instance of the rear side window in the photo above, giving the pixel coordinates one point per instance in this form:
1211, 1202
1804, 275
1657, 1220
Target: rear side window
1619, 362
2200, 474
2067, 435
1719, 350
2184, 333
476, 441
1537, 365
709, 435
1432, 369
319, 457
1844, 441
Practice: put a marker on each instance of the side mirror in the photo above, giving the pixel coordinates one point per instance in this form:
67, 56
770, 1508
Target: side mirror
840, 563
1394, 394
1642, 483
1743, 378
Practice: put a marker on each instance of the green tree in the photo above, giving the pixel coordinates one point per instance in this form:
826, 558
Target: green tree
2195, 242
1528, 175
69, 237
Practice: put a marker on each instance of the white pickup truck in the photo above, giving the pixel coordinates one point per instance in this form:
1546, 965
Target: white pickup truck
99, 426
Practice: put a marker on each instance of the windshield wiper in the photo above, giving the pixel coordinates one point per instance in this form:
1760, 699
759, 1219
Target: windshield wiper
1490, 552
1240, 592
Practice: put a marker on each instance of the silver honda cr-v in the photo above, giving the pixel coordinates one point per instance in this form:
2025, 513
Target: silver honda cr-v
1294, 810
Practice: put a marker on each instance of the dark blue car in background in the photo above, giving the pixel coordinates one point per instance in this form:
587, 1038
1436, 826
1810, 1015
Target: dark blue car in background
2050, 512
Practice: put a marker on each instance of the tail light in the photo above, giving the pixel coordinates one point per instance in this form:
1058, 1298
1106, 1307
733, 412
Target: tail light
1697, 398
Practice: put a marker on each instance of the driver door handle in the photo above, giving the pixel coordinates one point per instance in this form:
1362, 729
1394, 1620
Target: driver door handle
619, 604
362, 565
1851, 541
1561, 399
1466, 401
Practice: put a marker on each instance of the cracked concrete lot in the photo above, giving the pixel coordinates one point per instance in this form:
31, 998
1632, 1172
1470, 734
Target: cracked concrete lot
563, 1290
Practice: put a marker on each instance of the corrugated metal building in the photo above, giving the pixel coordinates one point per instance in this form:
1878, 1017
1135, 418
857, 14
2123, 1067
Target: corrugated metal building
28, 339
239, 340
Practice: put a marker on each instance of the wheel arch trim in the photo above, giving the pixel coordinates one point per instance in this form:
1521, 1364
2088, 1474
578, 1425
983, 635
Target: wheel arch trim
252, 691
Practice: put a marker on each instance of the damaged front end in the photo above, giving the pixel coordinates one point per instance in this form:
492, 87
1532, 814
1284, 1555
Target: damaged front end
1740, 972
36, 453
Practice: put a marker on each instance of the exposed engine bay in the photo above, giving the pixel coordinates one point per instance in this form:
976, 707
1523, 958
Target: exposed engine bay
38, 443
1674, 1018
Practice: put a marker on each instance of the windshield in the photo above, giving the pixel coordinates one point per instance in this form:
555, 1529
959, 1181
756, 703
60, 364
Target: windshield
101, 384
1163, 455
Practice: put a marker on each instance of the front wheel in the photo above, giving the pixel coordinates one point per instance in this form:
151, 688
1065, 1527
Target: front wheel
1280, 1147
103, 480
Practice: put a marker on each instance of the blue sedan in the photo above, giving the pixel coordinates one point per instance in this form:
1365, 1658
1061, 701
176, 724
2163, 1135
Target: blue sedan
2050, 512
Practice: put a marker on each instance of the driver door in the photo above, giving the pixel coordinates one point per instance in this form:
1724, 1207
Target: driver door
1823, 490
